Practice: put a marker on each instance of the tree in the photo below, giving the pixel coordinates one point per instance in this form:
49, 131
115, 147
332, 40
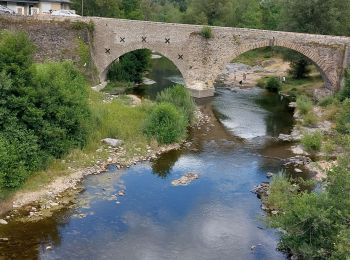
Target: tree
130, 67
43, 110
317, 16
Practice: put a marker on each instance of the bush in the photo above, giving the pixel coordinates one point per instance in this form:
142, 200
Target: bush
343, 120
44, 110
304, 104
206, 32
166, 124
327, 101
344, 93
273, 84
315, 224
299, 67
20, 155
310, 119
312, 142
180, 98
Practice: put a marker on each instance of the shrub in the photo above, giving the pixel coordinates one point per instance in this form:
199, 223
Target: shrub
166, 124
273, 84
20, 155
304, 104
280, 192
262, 82
343, 120
44, 110
206, 32
310, 119
180, 98
299, 67
314, 224
344, 93
312, 141
327, 101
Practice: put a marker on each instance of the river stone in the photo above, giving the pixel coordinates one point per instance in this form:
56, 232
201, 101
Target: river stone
186, 179
3, 222
269, 174
112, 142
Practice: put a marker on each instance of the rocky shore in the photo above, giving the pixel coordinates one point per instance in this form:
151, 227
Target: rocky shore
60, 193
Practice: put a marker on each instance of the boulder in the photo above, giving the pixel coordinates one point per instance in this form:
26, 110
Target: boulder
3, 222
112, 142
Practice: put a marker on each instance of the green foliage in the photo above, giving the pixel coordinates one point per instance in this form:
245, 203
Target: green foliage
180, 98
273, 84
206, 32
344, 93
304, 104
79, 25
117, 120
43, 110
315, 224
310, 119
343, 119
16, 57
280, 192
61, 114
320, 16
327, 101
84, 53
312, 141
166, 124
130, 67
299, 68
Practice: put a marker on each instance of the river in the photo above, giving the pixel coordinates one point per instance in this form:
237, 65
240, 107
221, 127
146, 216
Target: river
215, 217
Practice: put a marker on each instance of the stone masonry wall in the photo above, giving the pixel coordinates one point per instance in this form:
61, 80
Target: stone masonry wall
199, 60
54, 40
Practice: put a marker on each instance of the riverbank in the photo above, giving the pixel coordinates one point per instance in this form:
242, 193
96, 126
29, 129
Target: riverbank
121, 116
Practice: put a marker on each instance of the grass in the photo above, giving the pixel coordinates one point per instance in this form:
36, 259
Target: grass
304, 104
116, 88
312, 142
206, 32
256, 57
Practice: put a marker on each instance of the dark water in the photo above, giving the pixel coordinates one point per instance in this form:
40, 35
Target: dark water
164, 73
215, 217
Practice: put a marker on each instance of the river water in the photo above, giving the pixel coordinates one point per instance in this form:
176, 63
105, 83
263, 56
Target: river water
214, 217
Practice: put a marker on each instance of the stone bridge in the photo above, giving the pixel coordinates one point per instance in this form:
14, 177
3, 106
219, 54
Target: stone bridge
201, 60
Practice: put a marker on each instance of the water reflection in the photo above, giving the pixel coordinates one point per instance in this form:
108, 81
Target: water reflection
164, 73
162, 166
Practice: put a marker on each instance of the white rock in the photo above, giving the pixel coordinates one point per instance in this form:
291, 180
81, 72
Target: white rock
3, 222
112, 142
269, 174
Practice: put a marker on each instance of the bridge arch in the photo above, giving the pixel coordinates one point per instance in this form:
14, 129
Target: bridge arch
329, 76
168, 53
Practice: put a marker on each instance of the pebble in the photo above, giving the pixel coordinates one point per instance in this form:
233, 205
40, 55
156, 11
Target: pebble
298, 170
121, 193
4, 239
